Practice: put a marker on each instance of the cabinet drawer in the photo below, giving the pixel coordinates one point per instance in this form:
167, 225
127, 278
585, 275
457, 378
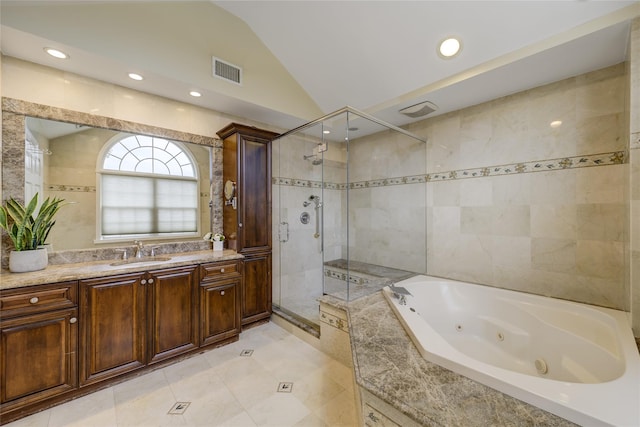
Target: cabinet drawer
36, 299
216, 269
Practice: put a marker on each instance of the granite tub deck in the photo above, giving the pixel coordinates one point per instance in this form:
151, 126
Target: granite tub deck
387, 365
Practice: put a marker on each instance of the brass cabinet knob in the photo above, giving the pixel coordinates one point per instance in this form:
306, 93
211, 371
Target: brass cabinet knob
143, 281
150, 281
73, 320
34, 300
221, 292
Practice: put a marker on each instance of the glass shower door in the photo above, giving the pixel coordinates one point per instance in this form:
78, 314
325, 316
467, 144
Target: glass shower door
298, 208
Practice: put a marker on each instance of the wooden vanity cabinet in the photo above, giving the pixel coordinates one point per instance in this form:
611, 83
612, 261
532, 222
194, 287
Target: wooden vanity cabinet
173, 314
256, 292
247, 164
39, 343
113, 320
220, 309
133, 320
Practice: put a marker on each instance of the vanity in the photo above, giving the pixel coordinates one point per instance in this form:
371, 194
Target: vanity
92, 318
72, 329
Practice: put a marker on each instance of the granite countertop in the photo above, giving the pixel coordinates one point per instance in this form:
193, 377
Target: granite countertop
84, 270
388, 365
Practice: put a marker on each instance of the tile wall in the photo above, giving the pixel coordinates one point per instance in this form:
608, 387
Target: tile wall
503, 198
517, 203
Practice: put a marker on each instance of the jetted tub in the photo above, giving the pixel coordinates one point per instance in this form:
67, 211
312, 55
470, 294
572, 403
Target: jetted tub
574, 360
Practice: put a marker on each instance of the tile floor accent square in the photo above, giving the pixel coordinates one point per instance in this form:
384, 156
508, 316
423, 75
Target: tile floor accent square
285, 387
178, 408
246, 353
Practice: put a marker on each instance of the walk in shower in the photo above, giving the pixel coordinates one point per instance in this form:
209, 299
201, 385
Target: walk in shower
349, 210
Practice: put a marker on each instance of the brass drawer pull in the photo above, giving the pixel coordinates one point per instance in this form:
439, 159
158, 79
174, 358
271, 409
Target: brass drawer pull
150, 281
73, 320
34, 300
221, 292
222, 270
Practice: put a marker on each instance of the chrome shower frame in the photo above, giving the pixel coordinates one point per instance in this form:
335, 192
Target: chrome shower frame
351, 110
331, 121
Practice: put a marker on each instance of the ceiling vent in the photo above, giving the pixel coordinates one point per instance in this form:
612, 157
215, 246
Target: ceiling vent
419, 110
226, 71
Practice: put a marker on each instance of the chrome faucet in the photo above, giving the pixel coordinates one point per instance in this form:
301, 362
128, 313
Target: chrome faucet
139, 247
400, 293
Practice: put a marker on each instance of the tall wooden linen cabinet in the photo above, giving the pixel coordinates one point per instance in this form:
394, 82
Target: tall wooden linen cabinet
247, 212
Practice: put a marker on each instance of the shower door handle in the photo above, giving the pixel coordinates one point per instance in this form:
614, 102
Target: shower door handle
283, 232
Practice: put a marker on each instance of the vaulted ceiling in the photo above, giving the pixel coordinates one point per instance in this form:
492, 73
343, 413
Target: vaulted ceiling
303, 59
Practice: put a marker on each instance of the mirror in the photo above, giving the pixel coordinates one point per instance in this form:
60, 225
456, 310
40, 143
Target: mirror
60, 155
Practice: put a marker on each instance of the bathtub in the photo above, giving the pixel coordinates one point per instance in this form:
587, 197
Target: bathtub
577, 361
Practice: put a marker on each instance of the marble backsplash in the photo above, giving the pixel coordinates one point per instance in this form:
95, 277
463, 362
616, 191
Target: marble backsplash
108, 254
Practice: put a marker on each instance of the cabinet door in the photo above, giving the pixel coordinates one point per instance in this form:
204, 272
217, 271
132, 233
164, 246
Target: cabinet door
173, 312
256, 288
112, 326
38, 357
254, 209
219, 310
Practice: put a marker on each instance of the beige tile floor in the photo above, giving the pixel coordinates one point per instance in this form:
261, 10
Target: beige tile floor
223, 388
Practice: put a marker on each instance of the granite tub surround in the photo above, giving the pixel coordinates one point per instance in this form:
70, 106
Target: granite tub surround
388, 366
85, 270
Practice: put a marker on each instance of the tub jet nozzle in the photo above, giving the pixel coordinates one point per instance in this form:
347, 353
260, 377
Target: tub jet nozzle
541, 366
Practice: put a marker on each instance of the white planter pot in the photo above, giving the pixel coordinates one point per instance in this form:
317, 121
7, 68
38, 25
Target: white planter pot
218, 246
23, 261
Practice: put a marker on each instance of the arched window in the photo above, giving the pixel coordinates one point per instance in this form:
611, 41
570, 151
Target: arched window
148, 188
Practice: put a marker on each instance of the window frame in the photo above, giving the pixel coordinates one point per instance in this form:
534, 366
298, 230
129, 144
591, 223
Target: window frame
100, 172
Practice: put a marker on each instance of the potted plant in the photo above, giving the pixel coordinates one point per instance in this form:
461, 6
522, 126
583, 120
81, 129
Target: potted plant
29, 233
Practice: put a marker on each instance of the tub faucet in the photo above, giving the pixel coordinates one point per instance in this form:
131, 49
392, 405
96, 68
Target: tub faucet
139, 247
400, 293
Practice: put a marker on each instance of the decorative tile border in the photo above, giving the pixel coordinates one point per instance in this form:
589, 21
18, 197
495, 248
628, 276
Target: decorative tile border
354, 278
305, 183
604, 159
342, 276
333, 321
72, 188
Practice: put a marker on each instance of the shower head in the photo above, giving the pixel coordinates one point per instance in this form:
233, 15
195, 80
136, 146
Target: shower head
315, 161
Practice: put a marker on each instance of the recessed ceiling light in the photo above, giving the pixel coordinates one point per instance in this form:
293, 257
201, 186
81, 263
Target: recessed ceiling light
555, 123
135, 76
195, 93
326, 132
449, 47
56, 53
